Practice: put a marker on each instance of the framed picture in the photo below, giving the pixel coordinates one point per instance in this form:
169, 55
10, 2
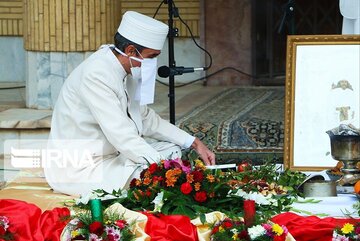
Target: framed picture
322, 91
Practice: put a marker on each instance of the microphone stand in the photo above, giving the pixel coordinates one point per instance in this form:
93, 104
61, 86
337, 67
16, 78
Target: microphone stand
171, 35
289, 9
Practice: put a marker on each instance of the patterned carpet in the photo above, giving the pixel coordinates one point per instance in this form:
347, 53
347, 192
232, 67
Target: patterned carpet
240, 123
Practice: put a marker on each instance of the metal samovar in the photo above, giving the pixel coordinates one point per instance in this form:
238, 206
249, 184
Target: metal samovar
346, 148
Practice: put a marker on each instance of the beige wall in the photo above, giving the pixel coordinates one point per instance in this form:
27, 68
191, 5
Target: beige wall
82, 25
11, 17
189, 11
69, 25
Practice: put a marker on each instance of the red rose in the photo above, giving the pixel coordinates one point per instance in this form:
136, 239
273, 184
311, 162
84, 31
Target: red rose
121, 223
96, 228
111, 237
158, 178
215, 230
186, 188
227, 224
2, 230
186, 163
153, 168
148, 192
244, 166
243, 235
142, 173
133, 183
200, 196
280, 238
198, 176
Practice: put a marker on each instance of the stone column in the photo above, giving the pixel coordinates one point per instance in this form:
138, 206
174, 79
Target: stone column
58, 36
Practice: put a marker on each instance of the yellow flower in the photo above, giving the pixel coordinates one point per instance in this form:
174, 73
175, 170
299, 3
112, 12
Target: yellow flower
235, 236
199, 164
277, 229
347, 228
74, 233
221, 229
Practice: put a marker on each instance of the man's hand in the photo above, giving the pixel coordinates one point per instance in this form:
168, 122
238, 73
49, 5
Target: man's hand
207, 156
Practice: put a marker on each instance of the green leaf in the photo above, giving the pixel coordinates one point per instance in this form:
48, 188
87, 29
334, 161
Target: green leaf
202, 218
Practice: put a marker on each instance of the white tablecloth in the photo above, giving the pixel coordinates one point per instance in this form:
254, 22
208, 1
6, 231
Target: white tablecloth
331, 206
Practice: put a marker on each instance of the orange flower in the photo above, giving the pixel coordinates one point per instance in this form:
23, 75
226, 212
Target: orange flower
138, 194
210, 178
172, 176
147, 174
189, 178
138, 182
197, 186
147, 181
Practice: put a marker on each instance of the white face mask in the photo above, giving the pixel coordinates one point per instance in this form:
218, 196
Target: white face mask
135, 71
145, 77
148, 76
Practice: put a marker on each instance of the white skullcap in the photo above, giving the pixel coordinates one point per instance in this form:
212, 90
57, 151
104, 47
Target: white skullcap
143, 30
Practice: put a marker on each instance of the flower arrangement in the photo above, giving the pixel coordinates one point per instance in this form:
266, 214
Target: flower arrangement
272, 190
229, 229
268, 232
6, 232
189, 188
236, 230
176, 187
348, 232
83, 227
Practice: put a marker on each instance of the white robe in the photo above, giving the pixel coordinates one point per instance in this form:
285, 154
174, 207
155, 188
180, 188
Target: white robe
95, 104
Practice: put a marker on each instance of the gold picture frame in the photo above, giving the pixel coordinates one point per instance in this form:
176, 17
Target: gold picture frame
317, 66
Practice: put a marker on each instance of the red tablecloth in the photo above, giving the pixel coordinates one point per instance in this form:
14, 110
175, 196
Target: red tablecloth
311, 228
31, 224
170, 228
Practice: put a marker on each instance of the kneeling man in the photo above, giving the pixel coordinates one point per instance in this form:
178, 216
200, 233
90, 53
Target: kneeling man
105, 100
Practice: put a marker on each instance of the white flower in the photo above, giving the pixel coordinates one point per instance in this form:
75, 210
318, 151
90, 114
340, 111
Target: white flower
94, 237
74, 221
256, 196
256, 231
338, 237
259, 198
84, 199
240, 193
113, 231
158, 201
4, 221
234, 231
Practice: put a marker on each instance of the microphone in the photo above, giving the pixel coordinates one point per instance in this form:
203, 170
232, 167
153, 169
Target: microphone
165, 71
